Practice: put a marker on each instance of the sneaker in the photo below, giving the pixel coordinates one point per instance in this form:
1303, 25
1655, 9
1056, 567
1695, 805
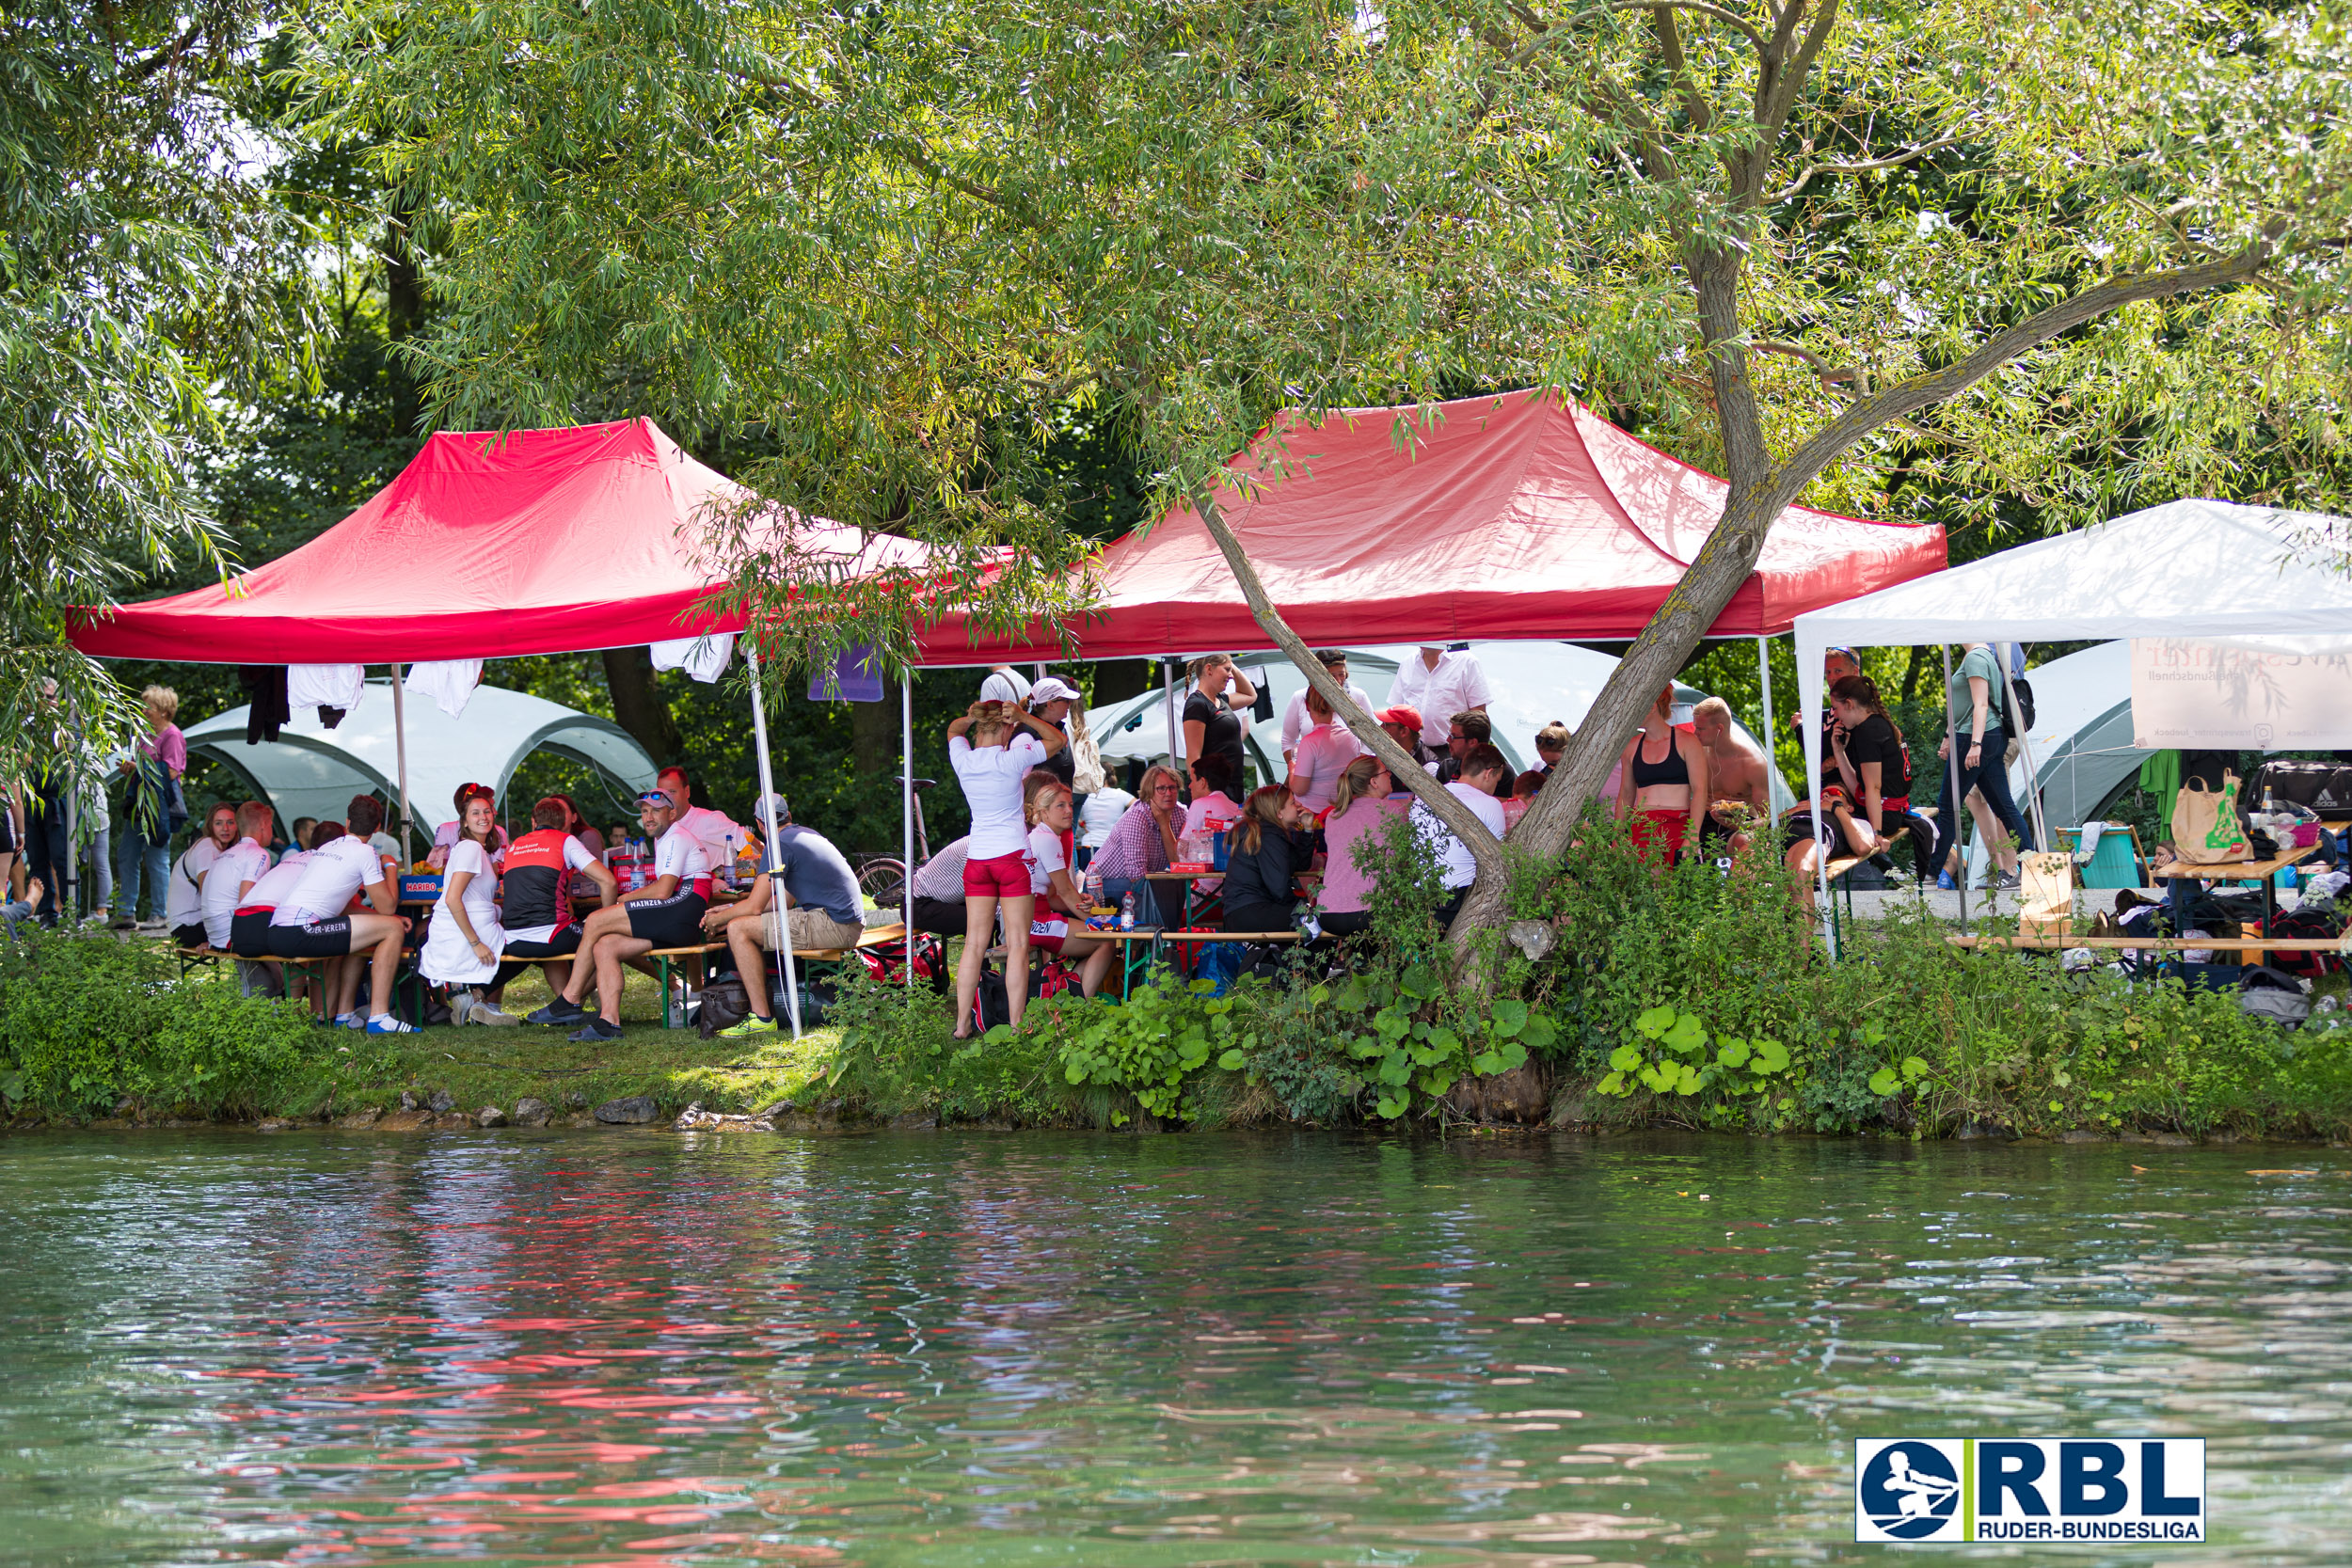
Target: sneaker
461, 1006
557, 1012
125, 923
385, 1024
494, 1015
2009, 882
595, 1031
749, 1027
354, 1020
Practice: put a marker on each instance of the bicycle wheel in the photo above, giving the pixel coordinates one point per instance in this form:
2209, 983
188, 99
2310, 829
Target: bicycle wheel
883, 880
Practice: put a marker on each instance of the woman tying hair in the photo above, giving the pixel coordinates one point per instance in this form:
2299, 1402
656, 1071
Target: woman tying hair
1212, 723
463, 945
1058, 898
1265, 854
1666, 770
1324, 752
1002, 744
1361, 810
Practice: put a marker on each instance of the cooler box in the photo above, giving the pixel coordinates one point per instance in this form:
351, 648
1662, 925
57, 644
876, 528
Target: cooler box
420, 887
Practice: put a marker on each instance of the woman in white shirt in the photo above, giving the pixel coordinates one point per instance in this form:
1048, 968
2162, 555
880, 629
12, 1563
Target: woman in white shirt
462, 943
992, 747
1059, 898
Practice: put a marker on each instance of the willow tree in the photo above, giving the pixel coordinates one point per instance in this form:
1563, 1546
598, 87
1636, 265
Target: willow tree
1814, 246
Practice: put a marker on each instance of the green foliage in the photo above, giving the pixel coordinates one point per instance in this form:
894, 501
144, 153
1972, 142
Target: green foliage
1149, 1046
86, 1020
897, 1054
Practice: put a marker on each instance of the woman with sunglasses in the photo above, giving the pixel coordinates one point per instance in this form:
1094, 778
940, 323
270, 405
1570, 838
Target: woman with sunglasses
1140, 843
450, 832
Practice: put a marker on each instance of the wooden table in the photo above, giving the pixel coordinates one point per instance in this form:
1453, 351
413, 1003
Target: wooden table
2265, 872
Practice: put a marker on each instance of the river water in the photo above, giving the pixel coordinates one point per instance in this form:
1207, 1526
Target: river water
1043, 1349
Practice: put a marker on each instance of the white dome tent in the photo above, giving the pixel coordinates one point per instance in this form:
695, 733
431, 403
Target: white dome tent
310, 771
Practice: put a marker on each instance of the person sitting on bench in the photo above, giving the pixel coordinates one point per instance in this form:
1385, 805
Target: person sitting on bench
248, 928
464, 939
537, 892
1271, 845
939, 891
313, 923
183, 910
1475, 789
667, 913
228, 887
823, 912
1060, 900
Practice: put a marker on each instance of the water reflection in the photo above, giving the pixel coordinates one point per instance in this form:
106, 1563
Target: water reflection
587, 1349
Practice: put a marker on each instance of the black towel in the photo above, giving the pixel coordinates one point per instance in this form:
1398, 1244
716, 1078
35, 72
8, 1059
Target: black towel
265, 692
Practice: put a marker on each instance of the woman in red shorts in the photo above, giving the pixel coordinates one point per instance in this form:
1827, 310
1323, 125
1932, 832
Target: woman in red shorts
992, 747
1665, 770
1060, 900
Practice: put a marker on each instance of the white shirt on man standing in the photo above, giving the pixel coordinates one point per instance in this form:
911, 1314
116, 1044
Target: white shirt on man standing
1456, 684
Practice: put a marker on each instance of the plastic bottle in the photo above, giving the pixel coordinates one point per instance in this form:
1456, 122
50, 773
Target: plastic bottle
1094, 889
2287, 877
1127, 911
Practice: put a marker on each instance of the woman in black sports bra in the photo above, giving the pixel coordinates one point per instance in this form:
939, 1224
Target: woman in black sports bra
1665, 770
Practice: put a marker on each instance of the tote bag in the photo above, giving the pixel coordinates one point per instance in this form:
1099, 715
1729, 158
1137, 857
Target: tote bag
2205, 826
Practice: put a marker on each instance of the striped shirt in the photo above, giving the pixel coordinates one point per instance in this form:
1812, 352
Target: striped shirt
1135, 846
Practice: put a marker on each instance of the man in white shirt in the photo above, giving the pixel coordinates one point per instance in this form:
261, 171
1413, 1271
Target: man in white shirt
183, 908
1006, 684
1482, 769
1440, 683
667, 913
1294, 722
311, 922
1097, 818
364, 819
719, 837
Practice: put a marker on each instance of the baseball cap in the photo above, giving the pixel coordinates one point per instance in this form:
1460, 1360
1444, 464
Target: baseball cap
1399, 716
759, 811
1053, 689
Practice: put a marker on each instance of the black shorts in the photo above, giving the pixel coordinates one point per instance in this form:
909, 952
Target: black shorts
673, 921
562, 945
1346, 923
248, 933
942, 917
321, 939
189, 936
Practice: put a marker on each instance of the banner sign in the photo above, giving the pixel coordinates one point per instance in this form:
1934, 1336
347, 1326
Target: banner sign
2245, 694
853, 677
1951, 1490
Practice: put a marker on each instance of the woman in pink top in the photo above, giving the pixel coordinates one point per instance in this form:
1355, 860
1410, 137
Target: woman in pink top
154, 771
1360, 809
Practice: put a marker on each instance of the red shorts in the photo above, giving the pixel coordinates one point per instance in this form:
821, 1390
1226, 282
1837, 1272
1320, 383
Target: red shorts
1659, 834
1047, 936
1005, 875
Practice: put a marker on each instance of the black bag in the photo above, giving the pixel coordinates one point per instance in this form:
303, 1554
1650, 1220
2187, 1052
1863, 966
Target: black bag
725, 1003
991, 1006
2018, 717
2305, 925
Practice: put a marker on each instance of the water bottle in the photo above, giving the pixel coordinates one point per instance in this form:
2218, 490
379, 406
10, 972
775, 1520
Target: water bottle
1094, 889
2286, 877
1127, 911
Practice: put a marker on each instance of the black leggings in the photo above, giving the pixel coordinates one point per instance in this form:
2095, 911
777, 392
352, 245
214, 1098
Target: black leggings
1256, 917
1353, 923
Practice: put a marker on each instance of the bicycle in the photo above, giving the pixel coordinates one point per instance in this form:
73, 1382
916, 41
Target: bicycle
882, 879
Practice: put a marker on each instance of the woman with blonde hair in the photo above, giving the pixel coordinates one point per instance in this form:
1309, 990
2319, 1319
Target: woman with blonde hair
1266, 850
1361, 810
1213, 727
1142, 842
992, 749
1056, 886
154, 808
1324, 752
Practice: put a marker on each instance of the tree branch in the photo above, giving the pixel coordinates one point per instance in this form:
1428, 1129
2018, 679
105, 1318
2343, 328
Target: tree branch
1822, 368
1864, 166
1486, 849
1695, 102
1659, 8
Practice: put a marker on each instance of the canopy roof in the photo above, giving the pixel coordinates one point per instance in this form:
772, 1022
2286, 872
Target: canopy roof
1523, 515
312, 771
539, 542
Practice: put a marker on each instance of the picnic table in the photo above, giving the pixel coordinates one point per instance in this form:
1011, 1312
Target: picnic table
2265, 872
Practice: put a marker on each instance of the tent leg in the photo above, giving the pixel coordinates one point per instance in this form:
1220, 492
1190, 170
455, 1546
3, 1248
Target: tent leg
1764, 674
1175, 738
786, 973
1960, 806
906, 821
400, 755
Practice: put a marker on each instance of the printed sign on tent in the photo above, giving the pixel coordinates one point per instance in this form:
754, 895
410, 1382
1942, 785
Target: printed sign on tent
853, 677
2243, 695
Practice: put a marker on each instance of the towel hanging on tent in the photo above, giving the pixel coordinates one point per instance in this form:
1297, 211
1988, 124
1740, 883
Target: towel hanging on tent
450, 682
325, 687
704, 657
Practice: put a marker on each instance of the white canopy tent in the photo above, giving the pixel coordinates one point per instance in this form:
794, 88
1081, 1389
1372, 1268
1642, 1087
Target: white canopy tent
310, 771
2200, 570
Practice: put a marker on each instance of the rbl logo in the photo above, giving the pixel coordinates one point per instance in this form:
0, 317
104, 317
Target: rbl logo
2059, 1489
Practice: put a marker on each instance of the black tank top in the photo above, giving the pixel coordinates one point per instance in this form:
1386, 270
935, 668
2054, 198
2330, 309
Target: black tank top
1672, 770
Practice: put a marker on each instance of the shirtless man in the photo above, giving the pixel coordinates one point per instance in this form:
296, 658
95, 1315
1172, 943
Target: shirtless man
1737, 770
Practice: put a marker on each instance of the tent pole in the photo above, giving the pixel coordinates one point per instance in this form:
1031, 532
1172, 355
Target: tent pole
1764, 672
906, 819
1960, 806
2025, 753
786, 976
400, 755
1175, 742
1809, 734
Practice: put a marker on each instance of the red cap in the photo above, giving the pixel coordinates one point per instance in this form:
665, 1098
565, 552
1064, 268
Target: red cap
1408, 716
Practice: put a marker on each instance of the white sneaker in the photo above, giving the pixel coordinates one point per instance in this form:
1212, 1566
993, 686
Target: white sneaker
461, 1006
492, 1014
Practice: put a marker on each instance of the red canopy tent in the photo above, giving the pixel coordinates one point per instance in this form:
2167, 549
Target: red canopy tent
541, 542
1523, 515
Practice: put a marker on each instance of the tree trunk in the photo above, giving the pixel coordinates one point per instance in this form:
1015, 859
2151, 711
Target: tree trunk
638, 705
874, 738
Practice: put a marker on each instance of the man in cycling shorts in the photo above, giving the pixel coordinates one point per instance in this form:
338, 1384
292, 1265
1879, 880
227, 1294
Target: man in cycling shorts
667, 913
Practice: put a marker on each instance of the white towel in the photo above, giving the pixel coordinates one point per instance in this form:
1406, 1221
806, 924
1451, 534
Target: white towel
704, 657
317, 686
450, 682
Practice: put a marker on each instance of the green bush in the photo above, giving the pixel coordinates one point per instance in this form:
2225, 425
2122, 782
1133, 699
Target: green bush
86, 1019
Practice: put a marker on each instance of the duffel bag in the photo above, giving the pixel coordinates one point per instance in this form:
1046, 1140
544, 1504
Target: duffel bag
2304, 783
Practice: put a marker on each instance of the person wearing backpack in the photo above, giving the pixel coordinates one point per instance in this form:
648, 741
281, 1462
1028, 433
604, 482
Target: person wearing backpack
1977, 729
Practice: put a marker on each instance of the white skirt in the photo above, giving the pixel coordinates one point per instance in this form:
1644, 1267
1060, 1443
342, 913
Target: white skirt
446, 958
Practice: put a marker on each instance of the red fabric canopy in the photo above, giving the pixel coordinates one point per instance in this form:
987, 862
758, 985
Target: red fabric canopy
1520, 517
545, 541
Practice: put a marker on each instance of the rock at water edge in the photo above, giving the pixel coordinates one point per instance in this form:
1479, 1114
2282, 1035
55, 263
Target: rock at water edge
489, 1116
629, 1111
531, 1113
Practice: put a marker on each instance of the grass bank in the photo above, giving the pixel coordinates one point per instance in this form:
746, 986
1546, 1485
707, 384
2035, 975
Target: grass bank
1623, 998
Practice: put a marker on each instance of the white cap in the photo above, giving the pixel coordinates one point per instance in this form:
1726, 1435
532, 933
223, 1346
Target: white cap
759, 810
1052, 689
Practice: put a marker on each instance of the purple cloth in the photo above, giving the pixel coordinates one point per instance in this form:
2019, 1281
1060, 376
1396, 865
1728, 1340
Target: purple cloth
171, 745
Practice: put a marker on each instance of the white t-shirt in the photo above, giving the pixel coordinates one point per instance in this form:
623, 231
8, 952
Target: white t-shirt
386, 846
1460, 869
1457, 685
1295, 717
184, 904
990, 777
677, 854
447, 957
337, 870
446, 835
1005, 686
719, 836
275, 885
1045, 858
942, 875
1323, 754
241, 862
1101, 814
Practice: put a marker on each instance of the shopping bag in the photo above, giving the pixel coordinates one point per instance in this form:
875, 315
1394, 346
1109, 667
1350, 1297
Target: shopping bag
2205, 826
2045, 905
